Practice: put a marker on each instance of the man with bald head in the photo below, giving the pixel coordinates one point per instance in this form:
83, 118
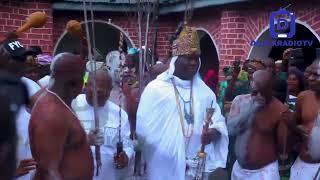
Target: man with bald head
307, 126
255, 120
109, 119
58, 142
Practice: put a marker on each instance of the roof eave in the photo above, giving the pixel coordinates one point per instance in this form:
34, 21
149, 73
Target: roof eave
197, 4
62, 6
164, 9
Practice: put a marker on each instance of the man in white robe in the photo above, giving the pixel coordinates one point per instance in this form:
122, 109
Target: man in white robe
109, 116
13, 59
24, 156
171, 130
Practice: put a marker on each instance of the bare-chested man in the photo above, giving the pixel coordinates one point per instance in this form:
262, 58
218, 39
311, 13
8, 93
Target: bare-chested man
307, 165
256, 121
58, 141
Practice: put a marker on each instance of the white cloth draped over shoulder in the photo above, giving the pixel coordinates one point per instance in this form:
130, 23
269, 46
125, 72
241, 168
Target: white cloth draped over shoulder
109, 123
159, 128
23, 118
32, 86
44, 82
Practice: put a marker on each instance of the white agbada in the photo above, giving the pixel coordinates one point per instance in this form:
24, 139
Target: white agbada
23, 118
109, 120
159, 128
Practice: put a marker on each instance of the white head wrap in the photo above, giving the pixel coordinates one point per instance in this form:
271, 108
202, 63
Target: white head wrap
168, 74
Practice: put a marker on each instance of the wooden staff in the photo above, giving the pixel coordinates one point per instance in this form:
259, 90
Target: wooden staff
201, 153
95, 100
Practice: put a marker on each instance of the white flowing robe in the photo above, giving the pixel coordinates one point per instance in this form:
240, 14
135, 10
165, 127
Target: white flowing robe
109, 121
158, 126
23, 118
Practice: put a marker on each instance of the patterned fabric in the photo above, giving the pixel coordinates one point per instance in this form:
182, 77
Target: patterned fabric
187, 43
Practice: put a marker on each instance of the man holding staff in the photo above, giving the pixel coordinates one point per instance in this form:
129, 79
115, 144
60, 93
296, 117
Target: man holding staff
171, 115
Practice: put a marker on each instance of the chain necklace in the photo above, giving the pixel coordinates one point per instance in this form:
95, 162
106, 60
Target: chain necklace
189, 117
56, 95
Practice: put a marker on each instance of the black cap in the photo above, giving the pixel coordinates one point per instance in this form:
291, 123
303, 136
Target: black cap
36, 50
16, 50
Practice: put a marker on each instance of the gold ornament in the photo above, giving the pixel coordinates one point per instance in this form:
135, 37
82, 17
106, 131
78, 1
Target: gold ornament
187, 43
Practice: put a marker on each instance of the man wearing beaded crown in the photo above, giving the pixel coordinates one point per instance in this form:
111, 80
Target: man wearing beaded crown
171, 116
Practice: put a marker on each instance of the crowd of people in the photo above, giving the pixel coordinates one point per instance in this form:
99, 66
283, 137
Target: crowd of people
263, 123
